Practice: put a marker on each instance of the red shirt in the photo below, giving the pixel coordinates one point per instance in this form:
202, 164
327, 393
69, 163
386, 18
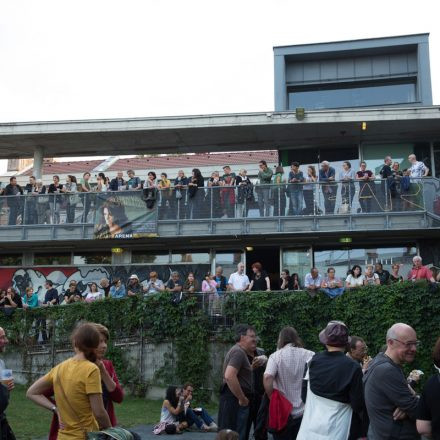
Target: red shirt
117, 395
420, 273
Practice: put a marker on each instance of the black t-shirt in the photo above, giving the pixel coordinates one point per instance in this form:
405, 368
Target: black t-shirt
384, 276
50, 295
386, 172
172, 284
69, 293
259, 283
106, 290
17, 300
429, 405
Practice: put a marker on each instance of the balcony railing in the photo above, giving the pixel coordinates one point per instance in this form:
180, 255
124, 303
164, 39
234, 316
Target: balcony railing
356, 205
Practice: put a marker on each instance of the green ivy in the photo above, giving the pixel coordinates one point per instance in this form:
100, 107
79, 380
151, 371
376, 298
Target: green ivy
367, 311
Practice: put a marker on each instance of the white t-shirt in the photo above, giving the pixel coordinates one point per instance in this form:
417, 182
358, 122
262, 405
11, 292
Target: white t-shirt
372, 279
239, 282
354, 282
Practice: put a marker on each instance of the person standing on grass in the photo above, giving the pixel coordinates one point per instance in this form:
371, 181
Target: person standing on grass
237, 389
111, 389
5, 430
78, 378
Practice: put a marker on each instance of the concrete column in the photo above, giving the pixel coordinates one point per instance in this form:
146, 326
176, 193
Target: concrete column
38, 162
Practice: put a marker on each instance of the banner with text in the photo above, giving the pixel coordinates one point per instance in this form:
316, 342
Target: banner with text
125, 214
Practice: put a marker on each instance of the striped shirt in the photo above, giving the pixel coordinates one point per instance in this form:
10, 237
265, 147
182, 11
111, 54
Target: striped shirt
287, 366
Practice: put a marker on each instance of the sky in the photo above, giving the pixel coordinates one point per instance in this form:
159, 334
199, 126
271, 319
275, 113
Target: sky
117, 59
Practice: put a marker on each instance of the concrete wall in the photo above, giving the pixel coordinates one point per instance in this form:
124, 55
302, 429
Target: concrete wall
145, 361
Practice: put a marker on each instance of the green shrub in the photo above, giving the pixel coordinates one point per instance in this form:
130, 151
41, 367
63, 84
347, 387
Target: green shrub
368, 312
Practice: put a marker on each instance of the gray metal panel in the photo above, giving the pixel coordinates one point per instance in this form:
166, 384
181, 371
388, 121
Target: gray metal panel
381, 65
363, 67
295, 72
345, 68
399, 64
412, 62
329, 70
312, 71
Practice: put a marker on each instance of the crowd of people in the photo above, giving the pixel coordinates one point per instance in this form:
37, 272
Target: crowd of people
215, 285
339, 393
223, 194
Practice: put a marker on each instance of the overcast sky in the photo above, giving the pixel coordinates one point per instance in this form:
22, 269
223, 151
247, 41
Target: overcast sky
115, 59
105, 59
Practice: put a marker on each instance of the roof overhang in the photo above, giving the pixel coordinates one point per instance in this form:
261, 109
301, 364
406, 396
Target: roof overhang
209, 133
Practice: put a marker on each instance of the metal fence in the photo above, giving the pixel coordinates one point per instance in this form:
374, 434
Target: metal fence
245, 201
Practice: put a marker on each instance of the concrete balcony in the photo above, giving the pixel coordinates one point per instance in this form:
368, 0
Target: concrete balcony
222, 211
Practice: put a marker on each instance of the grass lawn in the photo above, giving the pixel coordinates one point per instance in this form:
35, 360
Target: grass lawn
29, 421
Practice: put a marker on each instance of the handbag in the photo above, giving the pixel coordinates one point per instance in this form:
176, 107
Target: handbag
179, 194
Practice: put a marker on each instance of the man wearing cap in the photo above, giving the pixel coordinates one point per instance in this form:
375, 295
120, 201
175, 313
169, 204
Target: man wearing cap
134, 288
391, 404
332, 388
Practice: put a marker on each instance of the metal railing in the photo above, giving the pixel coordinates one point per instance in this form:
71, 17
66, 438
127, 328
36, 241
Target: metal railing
233, 202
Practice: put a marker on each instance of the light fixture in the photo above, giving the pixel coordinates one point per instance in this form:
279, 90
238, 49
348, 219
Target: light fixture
117, 250
345, 240
249, 248
364, 126
300, 113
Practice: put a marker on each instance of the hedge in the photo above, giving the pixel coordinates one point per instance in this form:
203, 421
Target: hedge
368, 312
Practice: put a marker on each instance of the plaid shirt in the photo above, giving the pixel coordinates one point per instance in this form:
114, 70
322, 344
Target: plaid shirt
287, 366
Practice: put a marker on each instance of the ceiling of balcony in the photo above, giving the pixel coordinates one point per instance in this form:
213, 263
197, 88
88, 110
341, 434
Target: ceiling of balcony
210, 133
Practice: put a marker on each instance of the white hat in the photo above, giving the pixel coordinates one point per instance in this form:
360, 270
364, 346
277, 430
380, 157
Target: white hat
134, 277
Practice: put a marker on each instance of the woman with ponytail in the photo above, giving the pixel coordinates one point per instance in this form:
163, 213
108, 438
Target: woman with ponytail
77, 387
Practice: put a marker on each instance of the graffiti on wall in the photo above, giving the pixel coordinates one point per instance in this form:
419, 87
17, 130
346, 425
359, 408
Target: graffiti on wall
36, 277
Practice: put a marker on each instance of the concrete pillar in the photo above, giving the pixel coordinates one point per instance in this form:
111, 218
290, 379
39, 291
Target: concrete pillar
38, 162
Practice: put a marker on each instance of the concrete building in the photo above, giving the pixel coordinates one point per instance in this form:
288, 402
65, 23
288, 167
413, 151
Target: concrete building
348, 101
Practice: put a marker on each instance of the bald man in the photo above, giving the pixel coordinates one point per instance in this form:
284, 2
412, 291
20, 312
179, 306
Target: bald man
390, 403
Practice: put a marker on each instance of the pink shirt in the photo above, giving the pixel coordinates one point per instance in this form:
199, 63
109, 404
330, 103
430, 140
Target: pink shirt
420, 273
209, 286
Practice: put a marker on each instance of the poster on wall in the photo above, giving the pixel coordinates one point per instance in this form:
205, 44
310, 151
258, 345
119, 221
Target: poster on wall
124, 215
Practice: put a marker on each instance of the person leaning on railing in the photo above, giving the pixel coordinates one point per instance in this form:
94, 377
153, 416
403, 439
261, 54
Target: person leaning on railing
354, 278
213, 199
178, 199
14, 203
55, 188
154, 285
263, 191
191, 285
117, 290
278, 192
227, 192
30, 299
164, 187
245, 193
309, 190
295, 188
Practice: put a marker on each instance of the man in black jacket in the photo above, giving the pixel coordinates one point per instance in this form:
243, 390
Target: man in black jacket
338, 379
391, 405
13, 201
118, 183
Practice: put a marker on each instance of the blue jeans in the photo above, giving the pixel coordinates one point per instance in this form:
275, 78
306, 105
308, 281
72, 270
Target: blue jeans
204, 418
296, 199
242, 420
334, 292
